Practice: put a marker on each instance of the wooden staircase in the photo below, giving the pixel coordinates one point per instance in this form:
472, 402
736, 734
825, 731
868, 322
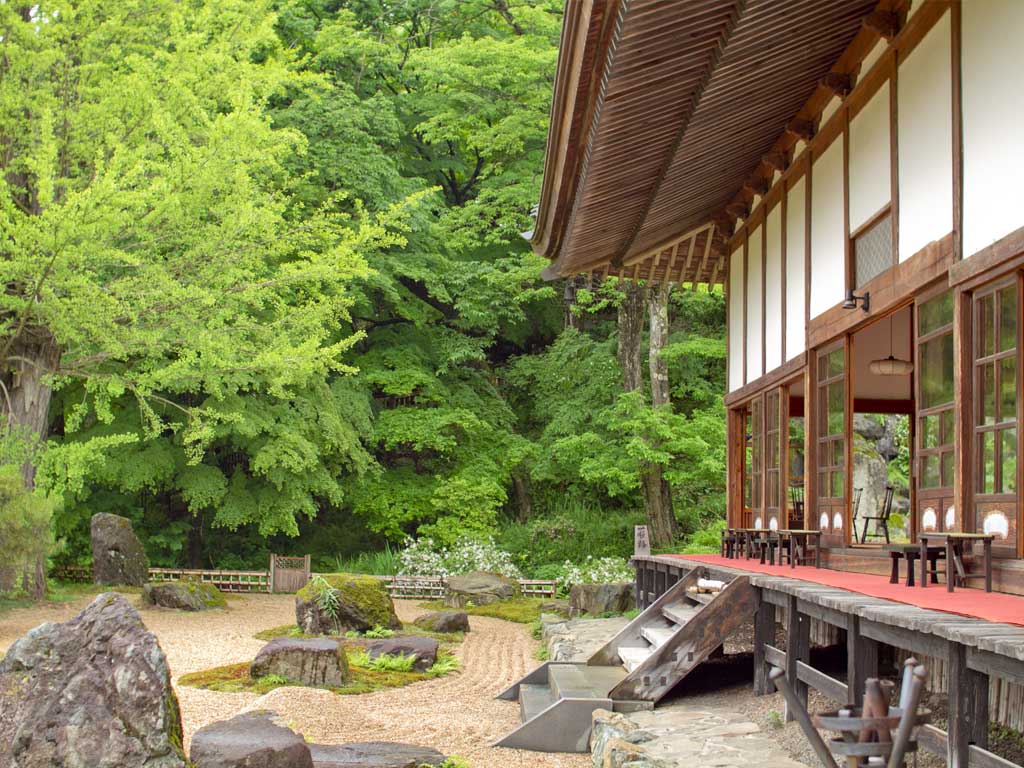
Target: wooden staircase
634, 670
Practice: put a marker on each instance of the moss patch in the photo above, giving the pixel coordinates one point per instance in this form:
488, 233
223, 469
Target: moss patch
290, 630
234, 678
522, 610
366, 594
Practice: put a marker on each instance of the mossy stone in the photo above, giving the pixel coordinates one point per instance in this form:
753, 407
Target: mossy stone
363, 603
185, 595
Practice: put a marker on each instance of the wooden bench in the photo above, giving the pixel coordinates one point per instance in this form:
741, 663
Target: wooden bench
910, 553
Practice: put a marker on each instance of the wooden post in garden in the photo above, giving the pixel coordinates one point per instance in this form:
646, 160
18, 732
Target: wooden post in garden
306, 566
798, 648
764, 634
861, 661
271, 585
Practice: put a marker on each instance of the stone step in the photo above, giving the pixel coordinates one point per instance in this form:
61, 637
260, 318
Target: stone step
658, 636
702, 597
534, 699
578, 681
680, 613
634, 657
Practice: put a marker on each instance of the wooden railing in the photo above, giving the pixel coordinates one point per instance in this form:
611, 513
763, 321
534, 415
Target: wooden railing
226, 581
538, 588
435, 587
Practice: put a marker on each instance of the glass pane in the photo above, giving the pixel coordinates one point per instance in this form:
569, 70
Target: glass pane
988, 462
986, 327
835, 362
930, 472
947, 470
948, 425
837, 453
1008, 389
823, 483
935, 313
937, 371
837, 484
1009, 460
747, 494
836, 409
930, 432
1008, 318
988, 394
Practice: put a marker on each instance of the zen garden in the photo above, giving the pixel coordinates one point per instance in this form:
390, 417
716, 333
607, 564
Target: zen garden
511, 384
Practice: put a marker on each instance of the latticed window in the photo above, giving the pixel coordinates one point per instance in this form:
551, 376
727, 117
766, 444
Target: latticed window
995, 381
831, 424
872, 250
935, 385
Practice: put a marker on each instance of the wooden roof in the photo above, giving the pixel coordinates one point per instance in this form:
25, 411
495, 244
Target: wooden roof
662, 111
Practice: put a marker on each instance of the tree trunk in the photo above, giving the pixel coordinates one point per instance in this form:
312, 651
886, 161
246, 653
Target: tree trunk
524, 500
28, 395
631, 321
194, 543
658, 494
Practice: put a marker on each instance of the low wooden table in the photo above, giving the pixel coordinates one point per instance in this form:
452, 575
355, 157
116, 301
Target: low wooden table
954, 545
911, 552
748, 536
797, 538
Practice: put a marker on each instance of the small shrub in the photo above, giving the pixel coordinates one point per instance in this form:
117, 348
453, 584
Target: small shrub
352, 634
542, 653
775, 720
359, 658
270, 682
445, 664
325, 596
379, 632
423, 557
604, 570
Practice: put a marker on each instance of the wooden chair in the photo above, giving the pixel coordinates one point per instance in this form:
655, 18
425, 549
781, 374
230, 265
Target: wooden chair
881, 519
855, 507
796, 502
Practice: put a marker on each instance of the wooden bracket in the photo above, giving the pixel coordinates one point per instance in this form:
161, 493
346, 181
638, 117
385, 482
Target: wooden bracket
839, 83
801, 129
756, 186
885, 23
738, 209
776, 161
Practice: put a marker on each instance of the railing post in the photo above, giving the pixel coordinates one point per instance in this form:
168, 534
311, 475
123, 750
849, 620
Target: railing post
270, 585
764, 634
861, 661
798, 648
968, 707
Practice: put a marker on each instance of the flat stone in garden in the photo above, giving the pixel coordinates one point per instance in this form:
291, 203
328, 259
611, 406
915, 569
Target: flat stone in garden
185, 595
363, 603
597, 599
92, 691
117, 555
444, 621
316, 662
478, 588
423, 648
255, 739
373, 754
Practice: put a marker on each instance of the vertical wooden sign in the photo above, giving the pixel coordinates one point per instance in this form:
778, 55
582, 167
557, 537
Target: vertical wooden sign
641, 541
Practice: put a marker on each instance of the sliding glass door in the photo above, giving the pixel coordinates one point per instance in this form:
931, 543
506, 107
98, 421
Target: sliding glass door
831, 426
936, 415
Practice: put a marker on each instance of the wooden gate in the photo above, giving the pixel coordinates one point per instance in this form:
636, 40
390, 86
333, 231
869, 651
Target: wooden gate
288, 574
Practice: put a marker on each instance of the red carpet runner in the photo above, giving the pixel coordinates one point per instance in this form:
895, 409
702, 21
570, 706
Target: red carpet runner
991, 606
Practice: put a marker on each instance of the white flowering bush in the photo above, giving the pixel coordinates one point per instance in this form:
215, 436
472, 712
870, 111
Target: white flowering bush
423, 557
602, 570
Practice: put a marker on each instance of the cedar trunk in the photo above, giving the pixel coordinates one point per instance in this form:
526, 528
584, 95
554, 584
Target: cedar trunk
631, 322
657, 493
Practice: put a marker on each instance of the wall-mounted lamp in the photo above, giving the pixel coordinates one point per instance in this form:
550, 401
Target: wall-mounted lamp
852, 299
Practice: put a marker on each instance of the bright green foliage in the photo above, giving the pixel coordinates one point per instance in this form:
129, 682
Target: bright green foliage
25, 535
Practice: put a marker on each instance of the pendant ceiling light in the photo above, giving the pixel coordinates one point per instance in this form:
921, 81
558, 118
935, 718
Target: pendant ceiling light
891, 366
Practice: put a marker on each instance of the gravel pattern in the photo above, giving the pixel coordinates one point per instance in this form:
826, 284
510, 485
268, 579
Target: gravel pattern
456, 714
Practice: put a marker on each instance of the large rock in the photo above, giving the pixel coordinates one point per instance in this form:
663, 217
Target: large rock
93, 691
423, 648
255, 739
618, 742
185, 595
871, 475
599, 599
117, 554
444, 621
363, 603
478, 588
316, 662
373, 754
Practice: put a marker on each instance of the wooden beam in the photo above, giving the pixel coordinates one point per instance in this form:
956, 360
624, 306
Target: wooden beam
803, 130
819, 681
968, 707
861, 661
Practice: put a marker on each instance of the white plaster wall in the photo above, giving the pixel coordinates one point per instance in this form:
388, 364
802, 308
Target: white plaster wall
874, 55
993, 119
796, 300
735, 340
870, 159
828, 249
773, 290
755, 297
925, 132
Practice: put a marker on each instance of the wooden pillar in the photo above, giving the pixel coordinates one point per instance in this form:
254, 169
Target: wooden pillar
271, 585
764, 634
861, 661
968, 707
798, 648
811, 441
962, 434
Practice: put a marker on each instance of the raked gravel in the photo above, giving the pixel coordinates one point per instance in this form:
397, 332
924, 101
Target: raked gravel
456, 714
